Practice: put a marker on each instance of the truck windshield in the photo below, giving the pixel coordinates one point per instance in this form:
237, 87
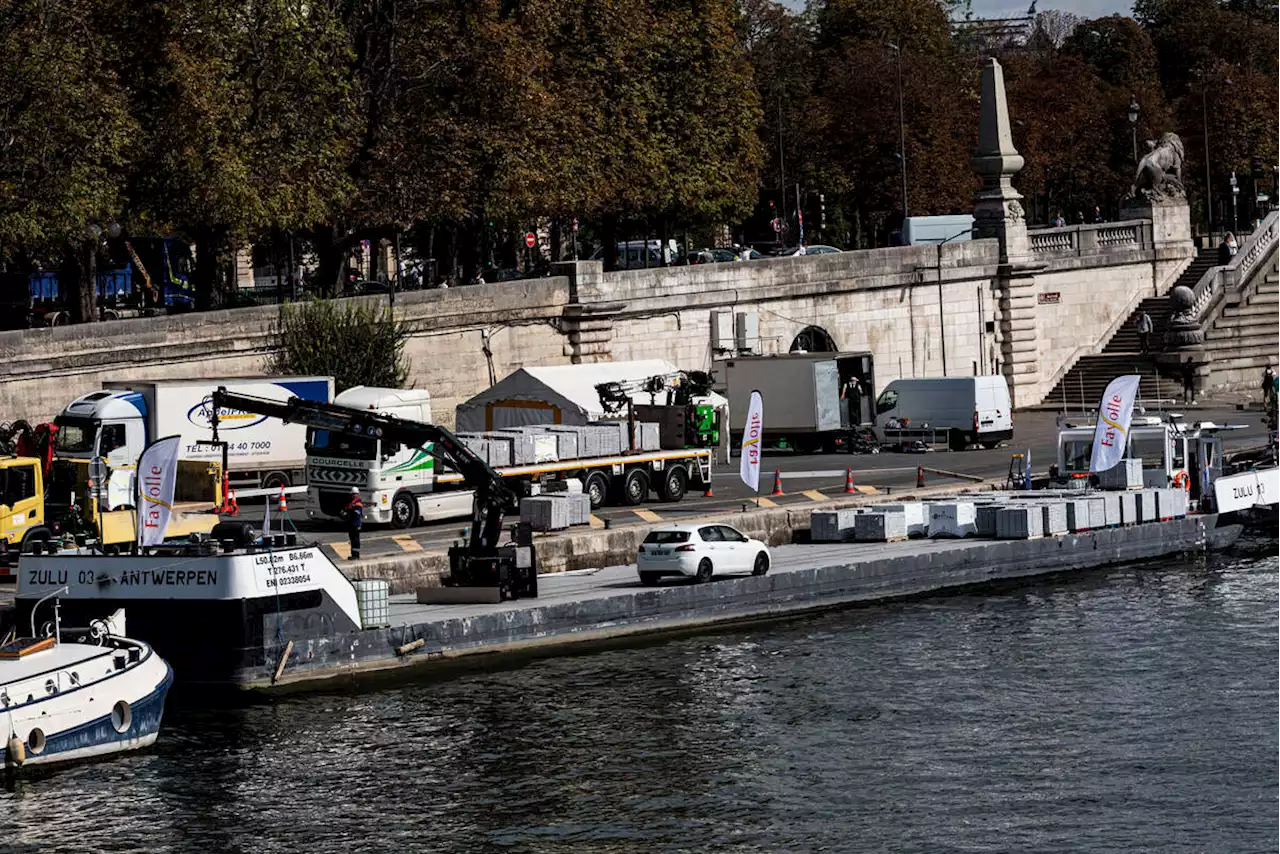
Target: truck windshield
75, 435
322, 443
1150, 449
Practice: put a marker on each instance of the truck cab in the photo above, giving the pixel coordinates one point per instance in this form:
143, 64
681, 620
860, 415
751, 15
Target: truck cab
392, 478
107, 424
22, 511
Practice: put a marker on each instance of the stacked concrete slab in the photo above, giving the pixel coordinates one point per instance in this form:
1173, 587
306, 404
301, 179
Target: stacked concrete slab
880, 527
914, 514
545, 512
1019, 522
1171, 503
952, 519
833, 526
1126, 474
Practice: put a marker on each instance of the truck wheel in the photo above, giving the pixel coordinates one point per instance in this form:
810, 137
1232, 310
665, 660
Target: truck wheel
276, 480
633, 487
673, 484
404, 510
597, 487
33, 536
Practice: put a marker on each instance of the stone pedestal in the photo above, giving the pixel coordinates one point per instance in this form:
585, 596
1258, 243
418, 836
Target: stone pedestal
587, 322
1184, 341
1170, 221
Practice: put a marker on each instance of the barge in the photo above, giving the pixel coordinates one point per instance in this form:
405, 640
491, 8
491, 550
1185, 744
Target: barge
268, 619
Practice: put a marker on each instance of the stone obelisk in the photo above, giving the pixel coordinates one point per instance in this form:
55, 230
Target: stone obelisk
997, 212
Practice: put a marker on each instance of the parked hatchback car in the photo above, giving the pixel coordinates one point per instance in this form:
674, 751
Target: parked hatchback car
699, 552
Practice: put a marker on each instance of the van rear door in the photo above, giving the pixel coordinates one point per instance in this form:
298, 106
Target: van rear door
992, 405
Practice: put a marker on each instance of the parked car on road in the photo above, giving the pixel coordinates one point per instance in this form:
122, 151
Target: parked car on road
817, 249
699, 552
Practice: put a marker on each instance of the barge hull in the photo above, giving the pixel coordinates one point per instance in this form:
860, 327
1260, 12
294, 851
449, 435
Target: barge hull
610, 605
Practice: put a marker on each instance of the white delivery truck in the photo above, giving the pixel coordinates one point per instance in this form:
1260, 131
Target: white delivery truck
972, 410
119, 421
401, 486
803, 405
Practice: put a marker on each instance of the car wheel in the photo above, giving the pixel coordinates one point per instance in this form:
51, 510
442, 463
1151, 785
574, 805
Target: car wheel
634, 487
761, 566
675, 480
649, 579
597, 488
404, 511
704, 571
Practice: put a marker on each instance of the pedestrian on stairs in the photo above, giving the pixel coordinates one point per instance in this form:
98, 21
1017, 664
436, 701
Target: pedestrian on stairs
1145, 327
353, 515
1188, 381
1268, 385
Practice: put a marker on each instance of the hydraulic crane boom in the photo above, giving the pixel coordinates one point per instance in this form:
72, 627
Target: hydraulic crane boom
482, 562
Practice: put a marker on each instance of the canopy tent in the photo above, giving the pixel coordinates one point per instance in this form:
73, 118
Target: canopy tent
558, 394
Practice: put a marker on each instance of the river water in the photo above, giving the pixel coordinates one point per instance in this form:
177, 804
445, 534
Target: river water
1124, 710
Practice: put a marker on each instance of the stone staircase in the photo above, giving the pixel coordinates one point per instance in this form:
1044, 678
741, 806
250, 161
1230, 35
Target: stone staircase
1246, 336
1088, 377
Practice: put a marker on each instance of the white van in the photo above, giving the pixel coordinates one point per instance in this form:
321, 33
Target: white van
977, 410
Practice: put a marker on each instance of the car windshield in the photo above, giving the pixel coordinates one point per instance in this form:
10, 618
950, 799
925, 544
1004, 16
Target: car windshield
660, 537
75, 435
322, 443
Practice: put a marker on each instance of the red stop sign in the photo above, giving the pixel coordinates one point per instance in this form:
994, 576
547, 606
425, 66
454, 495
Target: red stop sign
530, 239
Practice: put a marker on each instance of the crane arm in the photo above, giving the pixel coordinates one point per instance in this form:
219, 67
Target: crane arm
493, 499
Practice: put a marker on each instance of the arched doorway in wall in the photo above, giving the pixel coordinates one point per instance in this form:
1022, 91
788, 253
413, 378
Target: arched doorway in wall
814, 339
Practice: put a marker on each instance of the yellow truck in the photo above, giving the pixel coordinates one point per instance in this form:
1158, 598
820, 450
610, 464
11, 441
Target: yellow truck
35, 512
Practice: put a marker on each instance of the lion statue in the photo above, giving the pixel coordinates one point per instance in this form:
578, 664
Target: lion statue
1159, 174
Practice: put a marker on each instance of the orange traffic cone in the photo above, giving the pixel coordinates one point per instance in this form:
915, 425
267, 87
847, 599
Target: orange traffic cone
708, 493
233, 508
282, 505
919, 477
848, 481
777, 482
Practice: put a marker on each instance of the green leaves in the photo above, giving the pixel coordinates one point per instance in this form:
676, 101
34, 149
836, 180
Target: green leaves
357, 342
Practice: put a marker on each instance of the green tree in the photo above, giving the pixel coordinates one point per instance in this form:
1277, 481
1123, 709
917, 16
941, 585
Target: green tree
65, 137
357, 342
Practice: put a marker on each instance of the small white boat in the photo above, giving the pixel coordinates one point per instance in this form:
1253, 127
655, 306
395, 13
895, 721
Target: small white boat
79, 693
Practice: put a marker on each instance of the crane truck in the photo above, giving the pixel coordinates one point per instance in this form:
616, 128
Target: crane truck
482, 562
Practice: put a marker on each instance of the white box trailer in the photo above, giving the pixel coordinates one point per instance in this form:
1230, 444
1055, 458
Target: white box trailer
119, 421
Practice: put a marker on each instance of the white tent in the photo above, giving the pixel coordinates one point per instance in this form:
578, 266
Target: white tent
557, 394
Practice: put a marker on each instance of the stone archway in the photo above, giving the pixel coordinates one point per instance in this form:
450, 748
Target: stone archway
814, 339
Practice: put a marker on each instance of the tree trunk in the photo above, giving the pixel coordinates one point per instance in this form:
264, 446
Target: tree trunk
557, 240
79, 278
330, 256
209, 295
609, 235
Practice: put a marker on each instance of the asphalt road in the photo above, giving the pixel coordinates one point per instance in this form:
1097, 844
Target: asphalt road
807, 479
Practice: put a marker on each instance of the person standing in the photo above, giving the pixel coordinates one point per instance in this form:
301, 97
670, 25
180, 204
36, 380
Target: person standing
1145, 327
851, 394
1188, 381
1097, 214
1058, 221
353, 515
1268, 385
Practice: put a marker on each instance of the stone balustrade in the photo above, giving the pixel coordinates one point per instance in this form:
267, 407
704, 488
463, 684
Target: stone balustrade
1224, 281
1090, 238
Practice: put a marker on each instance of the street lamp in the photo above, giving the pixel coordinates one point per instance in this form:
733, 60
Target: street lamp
1133, 124
1235, 194
902, 129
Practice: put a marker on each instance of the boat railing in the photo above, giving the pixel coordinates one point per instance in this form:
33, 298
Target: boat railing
57, 615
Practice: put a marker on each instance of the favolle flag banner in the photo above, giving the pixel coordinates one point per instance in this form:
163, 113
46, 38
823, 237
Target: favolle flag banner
1111, 436
749, 468
157, 476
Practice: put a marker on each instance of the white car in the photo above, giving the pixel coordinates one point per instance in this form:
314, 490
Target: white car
699, 552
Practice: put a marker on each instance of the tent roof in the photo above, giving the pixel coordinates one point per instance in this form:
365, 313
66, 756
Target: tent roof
569, 386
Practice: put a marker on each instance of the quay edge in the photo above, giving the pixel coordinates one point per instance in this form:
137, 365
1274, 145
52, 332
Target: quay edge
611, 607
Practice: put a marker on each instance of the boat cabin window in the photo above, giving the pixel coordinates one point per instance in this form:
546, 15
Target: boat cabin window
1148, 448
1076, 455
19, 484
322, 443
1178, 451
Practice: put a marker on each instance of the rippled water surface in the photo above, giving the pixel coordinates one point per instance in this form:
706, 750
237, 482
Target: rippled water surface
1128, 710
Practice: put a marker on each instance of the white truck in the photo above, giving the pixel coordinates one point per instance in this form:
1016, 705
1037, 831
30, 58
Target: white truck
402, 486
803, 405
119, 421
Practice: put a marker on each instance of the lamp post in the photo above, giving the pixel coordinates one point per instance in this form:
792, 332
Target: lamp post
942, 314
902, 130
1133, 124
1235, 194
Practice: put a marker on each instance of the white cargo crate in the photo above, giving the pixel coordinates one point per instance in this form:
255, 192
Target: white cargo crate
1079, 514
984, 519
1053, 517
1128, 508
914, 512
1146, 501
953, 519
1171, 503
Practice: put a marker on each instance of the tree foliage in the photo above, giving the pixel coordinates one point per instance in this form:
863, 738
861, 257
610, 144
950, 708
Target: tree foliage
357, 342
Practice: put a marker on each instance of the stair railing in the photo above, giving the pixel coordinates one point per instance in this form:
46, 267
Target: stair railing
1220, 281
